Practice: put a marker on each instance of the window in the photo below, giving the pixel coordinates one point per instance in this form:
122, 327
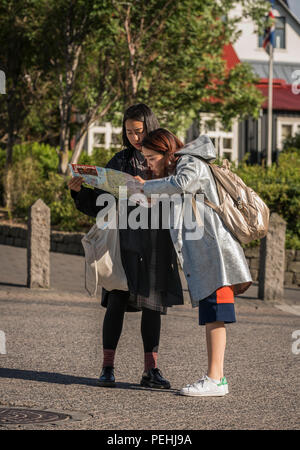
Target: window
227, 143
223, 139
279, 34
116, 139
226, 130
99, 139
210, 125
227, 155
286, 127
286, 131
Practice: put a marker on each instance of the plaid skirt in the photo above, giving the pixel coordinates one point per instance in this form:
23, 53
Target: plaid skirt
154, 301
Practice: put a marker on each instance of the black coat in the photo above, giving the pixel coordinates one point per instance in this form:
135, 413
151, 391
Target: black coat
135, 245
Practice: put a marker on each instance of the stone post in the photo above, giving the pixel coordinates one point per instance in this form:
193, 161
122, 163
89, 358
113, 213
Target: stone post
272, 261
38, 246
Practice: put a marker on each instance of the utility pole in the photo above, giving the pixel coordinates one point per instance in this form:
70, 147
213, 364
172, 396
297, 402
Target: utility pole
268, 45
270, 108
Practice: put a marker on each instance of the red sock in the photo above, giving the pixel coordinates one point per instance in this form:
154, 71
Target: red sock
150, 360
108, 358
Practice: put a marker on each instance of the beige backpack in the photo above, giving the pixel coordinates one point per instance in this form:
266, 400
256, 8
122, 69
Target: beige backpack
241, 209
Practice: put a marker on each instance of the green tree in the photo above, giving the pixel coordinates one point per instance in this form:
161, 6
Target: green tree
96, 57
98, 93
168, 54
18, 58
171, 56
69, 23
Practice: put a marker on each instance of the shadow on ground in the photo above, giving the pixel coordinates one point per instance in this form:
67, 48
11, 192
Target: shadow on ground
59, 378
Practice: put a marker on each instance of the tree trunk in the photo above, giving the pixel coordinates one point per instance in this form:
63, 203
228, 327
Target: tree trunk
65, 105
8, 187
78, 148
8, 175
64, 137
63, 161
91, 117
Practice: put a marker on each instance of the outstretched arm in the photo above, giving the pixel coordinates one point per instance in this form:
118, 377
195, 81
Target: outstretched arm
186, 179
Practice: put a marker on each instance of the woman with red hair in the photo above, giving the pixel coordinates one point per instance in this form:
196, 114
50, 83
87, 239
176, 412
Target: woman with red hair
213, 263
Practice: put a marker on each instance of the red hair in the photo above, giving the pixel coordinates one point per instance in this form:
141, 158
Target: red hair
164, 142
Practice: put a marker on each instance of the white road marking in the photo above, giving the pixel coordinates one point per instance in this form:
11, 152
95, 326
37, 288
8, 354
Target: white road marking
2, 343
292, 309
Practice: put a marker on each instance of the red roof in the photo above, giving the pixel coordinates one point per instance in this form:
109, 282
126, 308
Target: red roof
283, 96
230, 56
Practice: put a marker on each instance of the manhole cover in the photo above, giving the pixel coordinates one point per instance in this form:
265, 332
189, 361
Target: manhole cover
23, 416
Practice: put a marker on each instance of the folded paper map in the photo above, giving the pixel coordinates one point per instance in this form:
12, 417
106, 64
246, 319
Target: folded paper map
109, 180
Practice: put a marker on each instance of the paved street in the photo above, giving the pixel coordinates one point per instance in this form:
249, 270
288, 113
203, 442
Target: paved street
54, 354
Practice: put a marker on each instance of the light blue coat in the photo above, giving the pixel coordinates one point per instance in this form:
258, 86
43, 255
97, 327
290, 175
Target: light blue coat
216, 259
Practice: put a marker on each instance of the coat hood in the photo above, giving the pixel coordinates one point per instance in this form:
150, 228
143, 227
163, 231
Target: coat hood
202, 147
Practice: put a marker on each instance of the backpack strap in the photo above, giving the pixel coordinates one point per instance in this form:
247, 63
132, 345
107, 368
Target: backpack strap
207, 202
226, 164
210, 204
196, 212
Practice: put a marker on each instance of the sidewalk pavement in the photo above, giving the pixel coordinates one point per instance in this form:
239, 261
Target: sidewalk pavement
54, 355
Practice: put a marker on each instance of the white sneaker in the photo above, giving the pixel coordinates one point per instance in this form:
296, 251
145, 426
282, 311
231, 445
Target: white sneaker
206, 387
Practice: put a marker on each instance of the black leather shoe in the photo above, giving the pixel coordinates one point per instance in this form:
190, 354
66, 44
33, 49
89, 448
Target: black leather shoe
107, 377
154, 379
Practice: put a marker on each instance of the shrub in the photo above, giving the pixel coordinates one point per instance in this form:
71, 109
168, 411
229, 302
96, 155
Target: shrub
279, 187
35, 176
42, 154
292, 144
64, 215
99, 157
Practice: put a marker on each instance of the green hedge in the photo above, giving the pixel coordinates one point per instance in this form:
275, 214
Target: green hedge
279, 187
35, 176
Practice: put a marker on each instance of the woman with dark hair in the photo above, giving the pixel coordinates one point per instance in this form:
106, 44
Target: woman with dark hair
148, 122
148, 258
213, 261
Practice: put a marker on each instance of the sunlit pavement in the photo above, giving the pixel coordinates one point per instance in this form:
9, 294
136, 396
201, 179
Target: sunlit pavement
53, 355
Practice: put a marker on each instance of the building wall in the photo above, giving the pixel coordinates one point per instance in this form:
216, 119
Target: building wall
252, 134
247, 43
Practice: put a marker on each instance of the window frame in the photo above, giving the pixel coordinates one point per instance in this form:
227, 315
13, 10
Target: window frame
294, 122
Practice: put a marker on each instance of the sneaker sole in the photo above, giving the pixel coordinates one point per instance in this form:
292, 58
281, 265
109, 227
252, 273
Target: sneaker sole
204, 395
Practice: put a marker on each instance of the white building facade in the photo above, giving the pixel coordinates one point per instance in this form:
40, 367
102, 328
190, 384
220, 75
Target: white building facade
286, 71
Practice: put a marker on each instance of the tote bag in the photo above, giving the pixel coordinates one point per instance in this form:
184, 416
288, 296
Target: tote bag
103, 265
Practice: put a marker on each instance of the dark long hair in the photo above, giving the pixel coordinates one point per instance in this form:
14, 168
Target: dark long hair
164, 142
142, 113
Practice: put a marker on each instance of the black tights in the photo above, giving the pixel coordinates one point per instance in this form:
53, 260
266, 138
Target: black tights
113, 323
